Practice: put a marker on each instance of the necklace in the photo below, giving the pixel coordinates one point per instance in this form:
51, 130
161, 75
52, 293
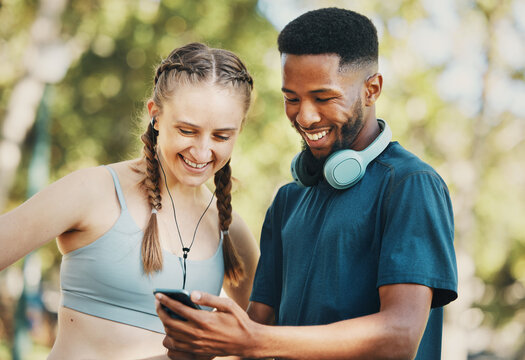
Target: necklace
185, 250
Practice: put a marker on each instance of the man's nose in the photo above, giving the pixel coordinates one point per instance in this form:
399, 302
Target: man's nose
307, 115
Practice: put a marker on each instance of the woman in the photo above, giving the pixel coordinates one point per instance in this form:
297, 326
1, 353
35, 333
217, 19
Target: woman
134, 226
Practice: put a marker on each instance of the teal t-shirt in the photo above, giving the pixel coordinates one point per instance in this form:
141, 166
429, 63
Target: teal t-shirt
325, 252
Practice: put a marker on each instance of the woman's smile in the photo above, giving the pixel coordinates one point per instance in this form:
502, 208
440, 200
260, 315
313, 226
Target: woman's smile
193, 164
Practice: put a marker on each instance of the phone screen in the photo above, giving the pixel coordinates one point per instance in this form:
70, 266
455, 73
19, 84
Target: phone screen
180, 295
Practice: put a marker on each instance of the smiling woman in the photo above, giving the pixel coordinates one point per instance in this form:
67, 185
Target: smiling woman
119, 242
199, 140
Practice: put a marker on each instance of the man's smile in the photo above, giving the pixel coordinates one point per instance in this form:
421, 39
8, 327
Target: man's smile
316, 136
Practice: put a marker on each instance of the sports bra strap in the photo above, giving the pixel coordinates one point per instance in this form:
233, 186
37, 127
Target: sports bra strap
118, 188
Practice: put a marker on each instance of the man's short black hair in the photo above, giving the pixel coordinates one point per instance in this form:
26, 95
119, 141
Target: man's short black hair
346, 33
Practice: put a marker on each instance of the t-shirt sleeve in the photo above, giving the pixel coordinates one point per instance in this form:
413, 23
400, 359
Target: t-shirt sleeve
268, 279
417, 242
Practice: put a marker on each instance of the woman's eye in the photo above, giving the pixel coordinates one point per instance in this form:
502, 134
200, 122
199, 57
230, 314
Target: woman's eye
290, 100
186, 132
223, 137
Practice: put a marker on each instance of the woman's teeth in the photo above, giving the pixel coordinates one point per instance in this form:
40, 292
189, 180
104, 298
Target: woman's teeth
194, 165
316, 136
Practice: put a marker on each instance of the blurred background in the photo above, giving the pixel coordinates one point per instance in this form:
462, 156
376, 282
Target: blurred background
74, 77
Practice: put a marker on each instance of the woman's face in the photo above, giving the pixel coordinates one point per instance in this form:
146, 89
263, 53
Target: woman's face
197, 128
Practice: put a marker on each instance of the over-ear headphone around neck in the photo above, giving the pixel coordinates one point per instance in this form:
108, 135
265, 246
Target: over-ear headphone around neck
343, 168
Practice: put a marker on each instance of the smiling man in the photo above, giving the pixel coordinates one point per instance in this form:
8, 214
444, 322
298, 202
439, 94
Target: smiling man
357, 257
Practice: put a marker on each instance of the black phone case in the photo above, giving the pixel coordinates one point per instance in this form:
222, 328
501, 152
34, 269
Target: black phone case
179, 295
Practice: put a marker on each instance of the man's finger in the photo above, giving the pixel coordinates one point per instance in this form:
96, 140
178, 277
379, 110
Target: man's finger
205, 299
177, 307
178, 355
164, 316
183, 350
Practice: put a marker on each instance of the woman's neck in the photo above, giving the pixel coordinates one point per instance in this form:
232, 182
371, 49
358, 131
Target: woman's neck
183, 193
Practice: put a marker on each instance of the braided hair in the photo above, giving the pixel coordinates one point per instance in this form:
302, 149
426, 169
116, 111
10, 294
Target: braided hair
191, 64
233, 266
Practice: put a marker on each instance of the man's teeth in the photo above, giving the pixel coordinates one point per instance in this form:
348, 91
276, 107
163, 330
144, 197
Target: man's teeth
316, 136
194, 165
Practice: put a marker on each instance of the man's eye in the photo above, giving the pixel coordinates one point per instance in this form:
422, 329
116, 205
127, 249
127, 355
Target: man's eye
290, 100
186, 132
324, 99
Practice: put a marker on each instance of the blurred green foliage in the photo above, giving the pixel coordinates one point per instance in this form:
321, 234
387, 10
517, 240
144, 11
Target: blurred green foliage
97, 115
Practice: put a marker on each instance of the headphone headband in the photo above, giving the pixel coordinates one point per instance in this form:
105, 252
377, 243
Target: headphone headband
379, 144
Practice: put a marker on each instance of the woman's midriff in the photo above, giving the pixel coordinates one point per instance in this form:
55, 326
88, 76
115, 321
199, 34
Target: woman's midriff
82, 336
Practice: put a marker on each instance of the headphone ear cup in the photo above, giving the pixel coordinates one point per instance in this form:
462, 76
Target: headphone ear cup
300, 173
344, 168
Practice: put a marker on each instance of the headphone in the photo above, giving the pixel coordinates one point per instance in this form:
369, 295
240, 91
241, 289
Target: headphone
343, 168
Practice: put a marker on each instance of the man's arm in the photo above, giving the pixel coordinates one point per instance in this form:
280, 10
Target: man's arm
394, 332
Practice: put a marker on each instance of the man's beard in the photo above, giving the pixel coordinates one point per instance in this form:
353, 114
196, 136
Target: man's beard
347, 135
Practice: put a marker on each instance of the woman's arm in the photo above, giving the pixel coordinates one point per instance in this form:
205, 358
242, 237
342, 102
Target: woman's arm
261, 313
245, 244
61, 207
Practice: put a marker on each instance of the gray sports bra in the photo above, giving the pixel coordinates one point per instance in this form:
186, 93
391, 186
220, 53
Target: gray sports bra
105, 278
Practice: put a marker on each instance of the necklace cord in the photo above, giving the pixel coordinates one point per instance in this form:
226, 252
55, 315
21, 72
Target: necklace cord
185, 250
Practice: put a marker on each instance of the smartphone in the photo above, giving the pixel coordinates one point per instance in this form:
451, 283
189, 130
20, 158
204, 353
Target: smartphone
180, 295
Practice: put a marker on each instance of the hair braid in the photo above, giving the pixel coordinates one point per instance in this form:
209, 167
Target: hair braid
243, 76
168, 65
233, 266
151, 250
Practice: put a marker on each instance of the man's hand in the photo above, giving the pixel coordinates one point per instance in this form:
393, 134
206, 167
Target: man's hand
226, 331
178, 355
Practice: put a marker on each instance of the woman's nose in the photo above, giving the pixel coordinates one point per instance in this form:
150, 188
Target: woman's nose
201, 150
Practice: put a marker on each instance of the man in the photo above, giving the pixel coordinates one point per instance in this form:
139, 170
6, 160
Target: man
367, 266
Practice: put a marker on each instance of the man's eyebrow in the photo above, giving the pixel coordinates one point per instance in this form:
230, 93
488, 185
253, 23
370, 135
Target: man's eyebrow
283, 89
321, 90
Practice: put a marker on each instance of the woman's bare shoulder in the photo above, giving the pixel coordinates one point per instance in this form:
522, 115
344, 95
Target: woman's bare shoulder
86, 182
95, 184
129, 171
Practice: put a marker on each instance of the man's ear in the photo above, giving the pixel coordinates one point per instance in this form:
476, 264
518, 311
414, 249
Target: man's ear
373, 86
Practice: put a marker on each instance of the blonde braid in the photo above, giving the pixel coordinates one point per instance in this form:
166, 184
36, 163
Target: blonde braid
233, 265
151, 250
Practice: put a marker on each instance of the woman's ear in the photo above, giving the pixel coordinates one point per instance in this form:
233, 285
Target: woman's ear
373, 86
153, 109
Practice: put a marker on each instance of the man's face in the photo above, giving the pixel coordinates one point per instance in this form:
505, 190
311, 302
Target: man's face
324, 104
